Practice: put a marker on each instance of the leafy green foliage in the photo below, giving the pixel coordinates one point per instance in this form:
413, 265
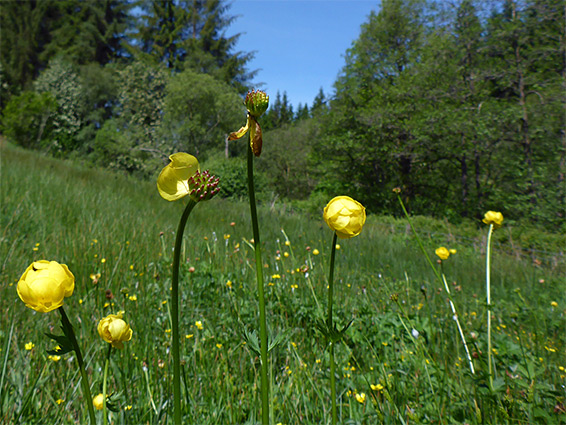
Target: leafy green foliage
198, 112
61, 80
28, 119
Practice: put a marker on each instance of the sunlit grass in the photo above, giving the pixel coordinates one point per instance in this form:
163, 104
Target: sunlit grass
119, 227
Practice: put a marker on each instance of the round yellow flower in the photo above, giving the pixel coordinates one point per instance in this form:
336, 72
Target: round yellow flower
315, 252
98, 402
345, 216
442, 253
452, 251
493, 217
114, 330
45, 284
173, 181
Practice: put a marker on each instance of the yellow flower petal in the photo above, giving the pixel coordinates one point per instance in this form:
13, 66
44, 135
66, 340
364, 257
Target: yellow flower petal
45, 284
173, 181
345, 216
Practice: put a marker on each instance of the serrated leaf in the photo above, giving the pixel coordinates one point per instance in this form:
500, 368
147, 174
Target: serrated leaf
252, 341
64, 343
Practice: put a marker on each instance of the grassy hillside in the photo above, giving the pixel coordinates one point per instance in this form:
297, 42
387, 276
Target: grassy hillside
98, 222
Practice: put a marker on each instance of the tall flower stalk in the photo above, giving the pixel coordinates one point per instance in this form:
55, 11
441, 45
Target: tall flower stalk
43, 287
329, 324
443, 254
346, 218
494, 220
178, 179
256, 103
115, 332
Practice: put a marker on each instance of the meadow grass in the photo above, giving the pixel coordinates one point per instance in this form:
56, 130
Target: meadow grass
98, 222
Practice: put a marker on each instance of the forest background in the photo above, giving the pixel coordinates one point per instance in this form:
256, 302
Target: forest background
461, 104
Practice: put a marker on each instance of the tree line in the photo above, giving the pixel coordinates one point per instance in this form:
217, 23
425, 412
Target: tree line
460, 104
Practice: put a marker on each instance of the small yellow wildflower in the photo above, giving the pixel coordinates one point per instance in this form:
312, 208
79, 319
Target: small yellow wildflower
361, 397
442, 253
189, 336
554, 304
377, 387
315, 252
54, 358
29, 346
219, 346
226, 236
493, 217
285, 254
276, 276
59, 401
131, 266
198, 324
229, 284
103, 260
128, 407
133, 298
98, 402
452, 251
337, 246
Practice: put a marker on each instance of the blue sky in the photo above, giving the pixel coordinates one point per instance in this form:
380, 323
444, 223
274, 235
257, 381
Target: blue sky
299, 44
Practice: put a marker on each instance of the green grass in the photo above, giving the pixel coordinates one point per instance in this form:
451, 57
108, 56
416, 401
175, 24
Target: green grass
98, 222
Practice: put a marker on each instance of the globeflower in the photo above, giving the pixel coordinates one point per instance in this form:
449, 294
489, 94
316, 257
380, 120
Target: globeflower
256, 103
442, 253
98, 402
45, 284
173, 181
182, 177
345, 216
114, 330
493, 217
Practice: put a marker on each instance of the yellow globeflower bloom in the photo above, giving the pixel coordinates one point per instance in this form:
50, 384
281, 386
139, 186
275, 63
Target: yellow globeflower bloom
98, 402
173, 181
442, 253
45, 284
493, 217
345, 216
114, 330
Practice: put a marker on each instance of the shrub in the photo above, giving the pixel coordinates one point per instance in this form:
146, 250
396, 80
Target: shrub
28, 119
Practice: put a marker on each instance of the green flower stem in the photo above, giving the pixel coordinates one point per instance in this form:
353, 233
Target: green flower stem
330, 329
442, 280
260, 293
488, 290
458, 323
104, 384
419, 240
175, 313
68, 330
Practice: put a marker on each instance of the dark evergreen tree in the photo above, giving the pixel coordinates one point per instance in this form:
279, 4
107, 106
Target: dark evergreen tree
191, 35
24, 31
84, 31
